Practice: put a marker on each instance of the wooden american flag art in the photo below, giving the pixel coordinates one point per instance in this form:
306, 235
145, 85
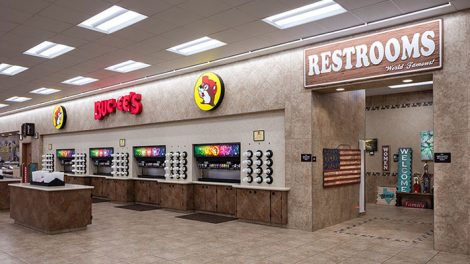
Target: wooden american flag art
341, 167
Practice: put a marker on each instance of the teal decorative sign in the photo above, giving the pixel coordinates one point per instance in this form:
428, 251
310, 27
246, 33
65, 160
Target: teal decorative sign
404, 169
427, 145
387, 195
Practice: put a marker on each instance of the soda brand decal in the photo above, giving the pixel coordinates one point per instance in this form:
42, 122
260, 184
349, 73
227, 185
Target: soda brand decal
128, 103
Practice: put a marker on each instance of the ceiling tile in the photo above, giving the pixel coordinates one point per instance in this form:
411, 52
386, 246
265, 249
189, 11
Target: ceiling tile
232, 18
205, 8
410, 6
26, 6
47, 24
378, 11
255, 28
64, 14
262, 8
146, 7
351, 5
228, 36
179, 16
13, 15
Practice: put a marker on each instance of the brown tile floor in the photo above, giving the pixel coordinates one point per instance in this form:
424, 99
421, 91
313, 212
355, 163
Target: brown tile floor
384, 235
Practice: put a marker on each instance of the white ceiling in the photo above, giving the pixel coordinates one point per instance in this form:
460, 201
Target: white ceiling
26, 23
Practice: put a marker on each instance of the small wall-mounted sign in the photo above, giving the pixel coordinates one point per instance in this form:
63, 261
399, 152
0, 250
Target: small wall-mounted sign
59, 117
443, 157
258, 135
386, 158
314, 158
122, 142
305, 157
49, 147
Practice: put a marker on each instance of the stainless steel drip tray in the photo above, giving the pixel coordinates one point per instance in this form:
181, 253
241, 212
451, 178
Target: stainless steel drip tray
219, 180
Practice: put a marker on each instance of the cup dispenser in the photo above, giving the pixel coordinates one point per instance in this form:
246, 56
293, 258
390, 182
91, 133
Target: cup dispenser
120, 164
257, 164
79, 163
65, 157
150, 161
218, 162
176, 165
102, 161
48, 162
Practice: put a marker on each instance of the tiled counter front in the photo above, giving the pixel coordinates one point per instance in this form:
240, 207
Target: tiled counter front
5, 192
51, 209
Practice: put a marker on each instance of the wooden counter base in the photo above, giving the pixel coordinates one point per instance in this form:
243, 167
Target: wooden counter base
5, 192
51, 212
257, 204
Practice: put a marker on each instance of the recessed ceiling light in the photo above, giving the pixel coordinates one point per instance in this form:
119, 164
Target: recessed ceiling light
80, 80
127, 66
339, 89
196, 46
18, 99
45, 91
2, 106
305, 14
48, 50
7, 69
112, 19
411, 84
407, 80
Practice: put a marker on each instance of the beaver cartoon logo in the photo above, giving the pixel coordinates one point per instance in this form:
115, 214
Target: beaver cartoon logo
208, 91
59, 117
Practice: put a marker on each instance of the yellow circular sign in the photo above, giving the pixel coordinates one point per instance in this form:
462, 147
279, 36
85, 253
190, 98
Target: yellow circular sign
208, 91
59, 117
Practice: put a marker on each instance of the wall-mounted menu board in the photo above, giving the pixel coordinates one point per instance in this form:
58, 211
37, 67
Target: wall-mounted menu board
223, 150
65, 153
150, 152
101, 152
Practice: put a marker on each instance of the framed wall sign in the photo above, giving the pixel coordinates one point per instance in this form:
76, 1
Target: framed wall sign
122, 142
258, 135
427, 145
412, 48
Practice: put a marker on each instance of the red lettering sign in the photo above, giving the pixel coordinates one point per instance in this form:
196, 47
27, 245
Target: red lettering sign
128, 103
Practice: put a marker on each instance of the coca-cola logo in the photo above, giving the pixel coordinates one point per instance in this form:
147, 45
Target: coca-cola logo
128, 103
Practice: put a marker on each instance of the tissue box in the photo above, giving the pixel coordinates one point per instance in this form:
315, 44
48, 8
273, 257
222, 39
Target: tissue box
45, 178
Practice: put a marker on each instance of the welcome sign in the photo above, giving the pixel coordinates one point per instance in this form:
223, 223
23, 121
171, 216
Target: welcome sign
413, 48
404, 169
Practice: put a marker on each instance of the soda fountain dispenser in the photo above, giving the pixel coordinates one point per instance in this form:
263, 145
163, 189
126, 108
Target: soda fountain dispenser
150, 161
218, 162
65, 157
102, 160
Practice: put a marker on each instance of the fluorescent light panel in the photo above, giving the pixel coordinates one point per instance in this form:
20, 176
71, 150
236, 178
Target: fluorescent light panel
3, 105
196, 46
305, 14
127, 66
112, 20
410, 84
18, 99
7, 69
48, 50
80, 80
45, 91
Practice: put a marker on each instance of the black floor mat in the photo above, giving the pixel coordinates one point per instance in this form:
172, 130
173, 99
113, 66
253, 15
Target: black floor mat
98, 200
138, 207
207, 218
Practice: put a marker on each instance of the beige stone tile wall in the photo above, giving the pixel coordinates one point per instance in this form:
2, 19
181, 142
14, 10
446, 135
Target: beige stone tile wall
338, 119
452, 134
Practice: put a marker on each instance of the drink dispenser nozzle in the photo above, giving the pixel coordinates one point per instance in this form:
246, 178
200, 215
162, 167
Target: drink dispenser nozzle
259, 154
248, 170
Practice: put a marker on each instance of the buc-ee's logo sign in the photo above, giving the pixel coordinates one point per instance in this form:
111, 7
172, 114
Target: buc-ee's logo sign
59, 117
208, 91
129, 103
